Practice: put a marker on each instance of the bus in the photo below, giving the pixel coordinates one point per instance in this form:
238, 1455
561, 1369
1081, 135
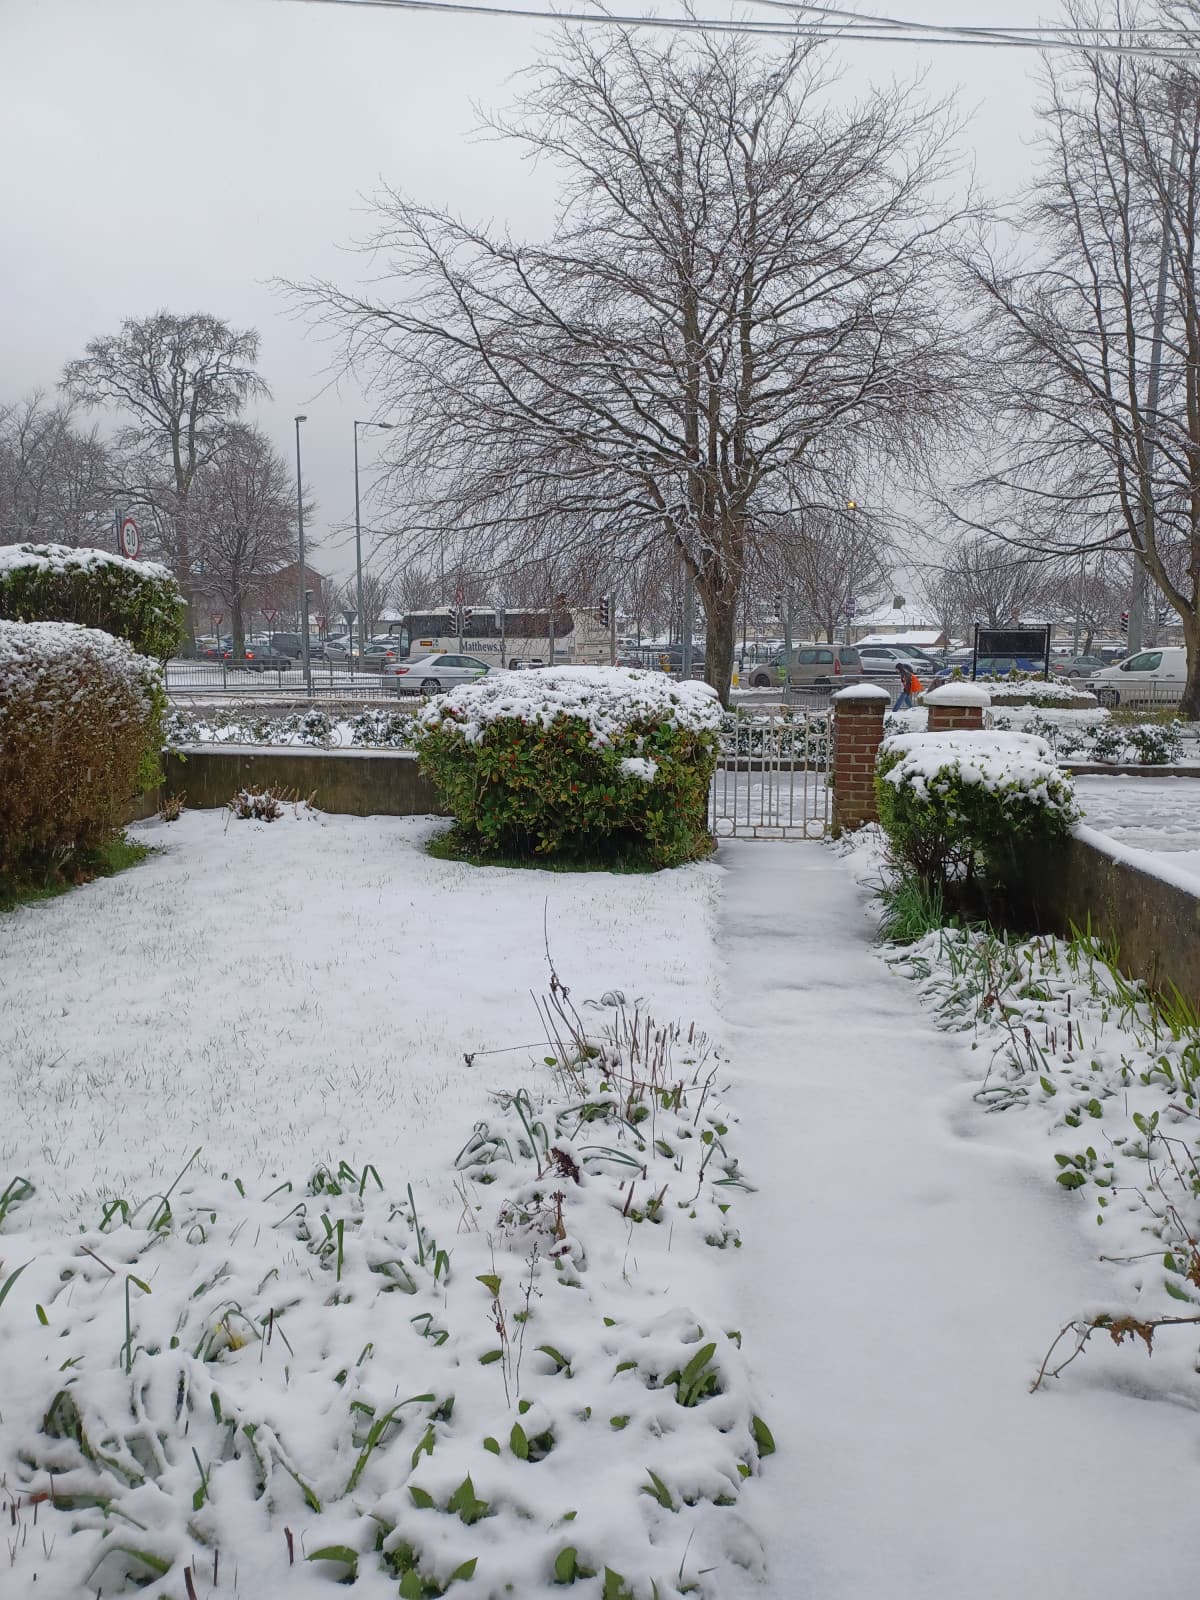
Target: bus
537, 638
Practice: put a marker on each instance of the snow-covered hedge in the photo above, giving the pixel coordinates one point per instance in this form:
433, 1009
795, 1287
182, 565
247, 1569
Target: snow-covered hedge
576, 761
957, 804
1050, 694
134, 600
80, 714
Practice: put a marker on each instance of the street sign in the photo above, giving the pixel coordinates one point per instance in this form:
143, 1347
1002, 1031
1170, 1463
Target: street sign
851, 605
130, 538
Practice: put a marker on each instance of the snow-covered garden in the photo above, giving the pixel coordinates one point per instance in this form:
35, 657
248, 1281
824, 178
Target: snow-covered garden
374, 1217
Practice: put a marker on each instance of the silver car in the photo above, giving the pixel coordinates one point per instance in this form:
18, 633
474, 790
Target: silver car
432, 674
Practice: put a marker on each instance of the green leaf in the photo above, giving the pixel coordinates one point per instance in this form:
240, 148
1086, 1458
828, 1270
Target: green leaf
565, 1565
764, 1439
618, 1422
492, 1355
615, 1587
340, 1553
1071, 1180
492, 1444
9, 1281
491, 1282
518, 1443
467, 1570
41, 1316
1177, 1293
411, 1587
421, 1498
658, 1490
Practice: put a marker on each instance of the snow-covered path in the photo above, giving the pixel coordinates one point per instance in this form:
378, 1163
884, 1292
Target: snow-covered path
907, 1261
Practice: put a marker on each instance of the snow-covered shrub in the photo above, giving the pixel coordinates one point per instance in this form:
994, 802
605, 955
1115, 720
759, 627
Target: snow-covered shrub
256, 805
962, 804
1155, 744
134, 600
575, 762
80, 720
1028, 691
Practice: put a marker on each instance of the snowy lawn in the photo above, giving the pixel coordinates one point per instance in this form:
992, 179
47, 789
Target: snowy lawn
1161, 815
320, 1263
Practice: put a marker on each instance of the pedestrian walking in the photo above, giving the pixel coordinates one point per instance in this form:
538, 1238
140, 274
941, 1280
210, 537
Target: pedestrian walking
910, 684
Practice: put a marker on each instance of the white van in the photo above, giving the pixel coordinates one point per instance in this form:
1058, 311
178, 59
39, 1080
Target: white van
1152, 677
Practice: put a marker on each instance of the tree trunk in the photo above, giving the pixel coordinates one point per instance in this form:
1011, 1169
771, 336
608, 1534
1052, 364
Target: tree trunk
720, 627
238, 628
1189, 706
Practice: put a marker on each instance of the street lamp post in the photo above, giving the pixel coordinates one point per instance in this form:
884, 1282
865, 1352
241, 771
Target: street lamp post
387, 426
303, 598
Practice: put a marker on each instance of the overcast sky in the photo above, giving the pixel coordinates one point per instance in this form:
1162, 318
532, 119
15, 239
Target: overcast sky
181, 154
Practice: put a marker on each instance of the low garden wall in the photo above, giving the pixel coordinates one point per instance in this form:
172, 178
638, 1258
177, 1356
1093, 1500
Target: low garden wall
354, 783
1140, 903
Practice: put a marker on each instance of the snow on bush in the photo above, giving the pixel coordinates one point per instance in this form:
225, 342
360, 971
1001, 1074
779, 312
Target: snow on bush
954, 803
80, 714
134, 600
295, 1384
349, 726
1037, 692
576, 761
1111, 1082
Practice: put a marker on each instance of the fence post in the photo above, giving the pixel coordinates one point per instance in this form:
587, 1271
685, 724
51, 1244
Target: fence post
857, 734
956, 705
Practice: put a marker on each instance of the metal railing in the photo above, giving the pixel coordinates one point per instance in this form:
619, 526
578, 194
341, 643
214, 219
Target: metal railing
250, 679
772, 777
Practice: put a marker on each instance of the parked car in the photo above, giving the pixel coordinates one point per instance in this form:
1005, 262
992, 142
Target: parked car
874, 655
1148, 677
767, 674
823, 665
292, 644
259, 658
213, 649
337, 647
985, 667
432, 674
1077, 666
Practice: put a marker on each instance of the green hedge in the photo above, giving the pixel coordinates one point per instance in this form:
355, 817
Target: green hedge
80, 734
133, 600
961, 806
579, 764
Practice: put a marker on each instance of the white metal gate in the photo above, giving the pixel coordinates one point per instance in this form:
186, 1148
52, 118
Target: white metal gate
772, 777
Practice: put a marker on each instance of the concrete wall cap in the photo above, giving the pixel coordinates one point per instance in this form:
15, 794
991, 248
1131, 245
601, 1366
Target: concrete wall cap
862, 691
957, 694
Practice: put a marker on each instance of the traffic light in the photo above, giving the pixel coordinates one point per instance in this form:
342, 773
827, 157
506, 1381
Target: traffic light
778, 605
605, 614
1124, 622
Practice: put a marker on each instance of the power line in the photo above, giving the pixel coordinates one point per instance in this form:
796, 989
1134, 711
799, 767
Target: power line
842, 26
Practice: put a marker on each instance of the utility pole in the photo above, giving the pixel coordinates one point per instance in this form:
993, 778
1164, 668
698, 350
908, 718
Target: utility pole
303, 606
612, 630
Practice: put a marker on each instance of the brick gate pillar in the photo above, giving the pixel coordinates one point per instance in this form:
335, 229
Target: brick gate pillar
956, 705
857, 735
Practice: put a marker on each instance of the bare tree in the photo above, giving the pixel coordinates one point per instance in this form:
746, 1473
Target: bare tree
1095, 340
742, 273
56, 481
834, 563
986, 580
244, 510
180, 381
377, 597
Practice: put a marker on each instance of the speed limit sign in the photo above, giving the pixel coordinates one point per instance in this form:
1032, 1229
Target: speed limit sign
131, 538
